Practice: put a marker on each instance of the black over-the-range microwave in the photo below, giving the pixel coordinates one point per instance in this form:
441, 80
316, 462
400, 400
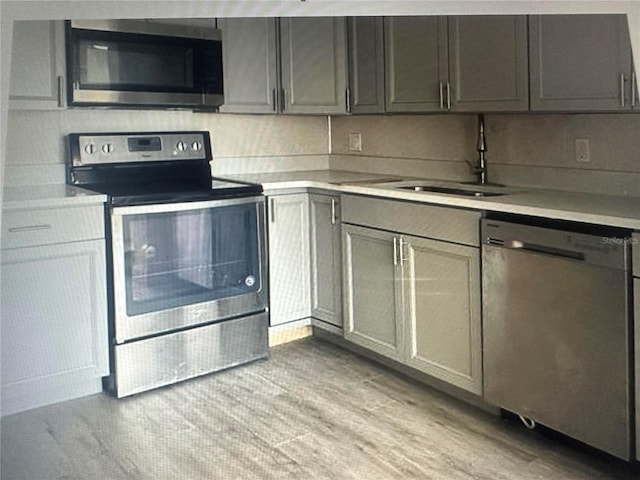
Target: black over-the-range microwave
140, 63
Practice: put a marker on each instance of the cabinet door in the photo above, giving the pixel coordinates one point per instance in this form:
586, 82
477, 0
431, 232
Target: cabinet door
579, 62
37, 65
250, 65
488, 68
366, 65
326, 259
314, 60
636, 300
54, 325
416, 63
442, 294
372, 293
289, 271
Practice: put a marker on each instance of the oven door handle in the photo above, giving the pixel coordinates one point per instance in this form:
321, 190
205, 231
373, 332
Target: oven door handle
183, 206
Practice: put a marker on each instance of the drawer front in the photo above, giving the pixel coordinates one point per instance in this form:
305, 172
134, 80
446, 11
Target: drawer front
31, 227
635, 249
440, 223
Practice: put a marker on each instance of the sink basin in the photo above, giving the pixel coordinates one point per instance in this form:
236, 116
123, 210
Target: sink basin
451, 190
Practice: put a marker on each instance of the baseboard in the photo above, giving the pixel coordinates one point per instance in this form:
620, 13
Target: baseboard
290, 332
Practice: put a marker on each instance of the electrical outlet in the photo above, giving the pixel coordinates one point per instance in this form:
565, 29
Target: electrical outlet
583, 150
355, 142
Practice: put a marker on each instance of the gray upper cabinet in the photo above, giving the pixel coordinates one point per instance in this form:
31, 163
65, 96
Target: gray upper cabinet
249, 52
314, 64
37, 66
366, 65
464, 64
416, 63
488, 63
580, 63
288, 65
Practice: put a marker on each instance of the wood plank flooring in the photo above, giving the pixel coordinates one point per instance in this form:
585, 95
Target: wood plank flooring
312, 411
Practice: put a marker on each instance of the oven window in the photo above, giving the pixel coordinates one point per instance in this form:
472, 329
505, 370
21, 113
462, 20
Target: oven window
181, 258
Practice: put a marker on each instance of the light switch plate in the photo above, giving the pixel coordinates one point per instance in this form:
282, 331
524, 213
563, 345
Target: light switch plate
355, 142
583, 150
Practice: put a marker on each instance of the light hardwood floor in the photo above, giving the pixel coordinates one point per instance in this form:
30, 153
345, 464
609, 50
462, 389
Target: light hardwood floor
312, 411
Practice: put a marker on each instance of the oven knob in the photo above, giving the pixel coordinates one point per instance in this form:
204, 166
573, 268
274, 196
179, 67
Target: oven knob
90, 149
107, 147
196, 146
181, 146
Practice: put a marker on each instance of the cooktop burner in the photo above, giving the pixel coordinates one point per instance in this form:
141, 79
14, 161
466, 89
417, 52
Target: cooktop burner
143, 168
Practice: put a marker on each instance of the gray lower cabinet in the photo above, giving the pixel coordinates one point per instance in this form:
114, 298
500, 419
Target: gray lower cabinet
372, 291
366, 65
635, 247
37, 66
581, 62
289, 269
414, 299
442, 297
54, 343
249, 53
326, 259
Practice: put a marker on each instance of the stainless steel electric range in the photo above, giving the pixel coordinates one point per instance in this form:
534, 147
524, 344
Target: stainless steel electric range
186, 252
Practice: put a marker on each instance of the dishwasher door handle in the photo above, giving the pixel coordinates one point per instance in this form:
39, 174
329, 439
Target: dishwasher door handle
533, 247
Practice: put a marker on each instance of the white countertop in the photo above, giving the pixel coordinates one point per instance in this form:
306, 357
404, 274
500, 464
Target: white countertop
48, 196
611, 210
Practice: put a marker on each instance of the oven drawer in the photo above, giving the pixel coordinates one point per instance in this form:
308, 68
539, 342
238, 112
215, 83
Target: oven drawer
45, 226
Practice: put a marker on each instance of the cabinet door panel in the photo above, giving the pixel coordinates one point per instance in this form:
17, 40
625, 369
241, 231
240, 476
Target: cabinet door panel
488, 63
416, 62
442, 290
577, 62
37, 65
373, 309
366, 64
313, 55
326, 260
289, 258
54, 327
250, 65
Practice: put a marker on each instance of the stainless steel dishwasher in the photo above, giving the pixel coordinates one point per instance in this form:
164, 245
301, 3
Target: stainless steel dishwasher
556, 337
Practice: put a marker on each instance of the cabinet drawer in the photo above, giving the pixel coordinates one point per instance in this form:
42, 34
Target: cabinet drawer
441, 223
635, 249
31, 227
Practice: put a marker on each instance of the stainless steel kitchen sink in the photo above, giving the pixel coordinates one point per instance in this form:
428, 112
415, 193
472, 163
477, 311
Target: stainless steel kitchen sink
468, 192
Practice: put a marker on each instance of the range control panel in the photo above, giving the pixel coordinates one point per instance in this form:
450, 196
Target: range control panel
93, 149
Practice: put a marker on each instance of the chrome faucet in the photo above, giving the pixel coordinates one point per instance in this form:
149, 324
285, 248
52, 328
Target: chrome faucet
480, 169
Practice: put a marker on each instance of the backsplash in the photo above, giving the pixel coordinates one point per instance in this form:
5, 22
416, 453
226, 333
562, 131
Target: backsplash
241, 143
523, 149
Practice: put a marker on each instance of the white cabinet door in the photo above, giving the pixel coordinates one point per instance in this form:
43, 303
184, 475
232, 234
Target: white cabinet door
54, 325
580, 62
326, 259
314, 65
289, 269
372, 291
37, 65
249, 53
442, 295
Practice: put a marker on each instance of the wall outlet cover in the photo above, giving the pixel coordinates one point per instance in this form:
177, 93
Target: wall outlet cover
355, 142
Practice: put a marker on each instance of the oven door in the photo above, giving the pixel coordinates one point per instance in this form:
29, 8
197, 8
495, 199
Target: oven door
178, 265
